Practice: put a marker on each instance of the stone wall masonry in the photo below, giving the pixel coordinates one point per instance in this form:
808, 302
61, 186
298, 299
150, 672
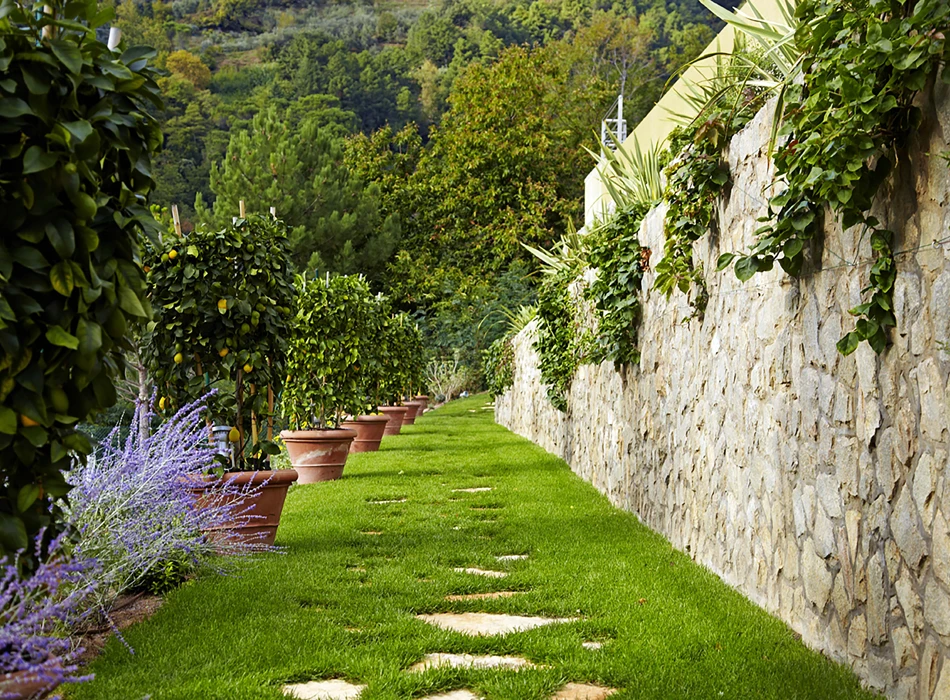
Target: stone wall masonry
815, 484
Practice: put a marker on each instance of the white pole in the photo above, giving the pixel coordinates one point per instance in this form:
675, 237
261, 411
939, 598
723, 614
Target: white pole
115, 36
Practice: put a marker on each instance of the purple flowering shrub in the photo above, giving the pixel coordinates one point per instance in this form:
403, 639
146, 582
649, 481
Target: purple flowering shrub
36, 613
136, 512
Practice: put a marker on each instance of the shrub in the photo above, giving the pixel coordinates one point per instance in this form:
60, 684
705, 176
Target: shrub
76, 141
134, 510
35, 613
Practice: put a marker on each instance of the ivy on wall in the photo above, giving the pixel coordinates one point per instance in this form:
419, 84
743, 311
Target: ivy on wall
557, 340
866, 60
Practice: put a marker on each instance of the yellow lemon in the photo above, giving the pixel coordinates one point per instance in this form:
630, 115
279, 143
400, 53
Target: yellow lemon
223, 352
234, 435
223, 304
179, 358
172, 254
248, 368
162, 402
27, 422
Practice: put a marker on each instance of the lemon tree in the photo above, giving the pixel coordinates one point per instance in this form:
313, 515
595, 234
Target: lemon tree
76, 140
222, 302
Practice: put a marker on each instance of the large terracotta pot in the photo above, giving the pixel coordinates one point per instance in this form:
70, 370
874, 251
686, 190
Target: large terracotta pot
318, 455
21, 685
369, 432
396, 414
266, 503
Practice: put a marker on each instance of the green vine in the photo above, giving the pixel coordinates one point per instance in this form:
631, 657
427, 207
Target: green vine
866, 60
557, 343
500, 365
616, 253
695, 179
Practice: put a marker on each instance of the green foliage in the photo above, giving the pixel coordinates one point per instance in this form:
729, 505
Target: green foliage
866, 62
557, 341
694, 181
76, 142
616, 253
499, 366
223, 301
334, 329
404, 373
335, 218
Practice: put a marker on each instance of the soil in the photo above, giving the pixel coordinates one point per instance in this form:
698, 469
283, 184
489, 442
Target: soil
128, 610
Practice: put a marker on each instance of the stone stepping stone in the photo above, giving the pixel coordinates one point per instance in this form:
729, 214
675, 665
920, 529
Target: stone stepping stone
332, 689
463, 694
483, 596
478, 624
370, 532
593, 646
470, 661
480, 572
583, 691
512, 557
385, 501
476, 489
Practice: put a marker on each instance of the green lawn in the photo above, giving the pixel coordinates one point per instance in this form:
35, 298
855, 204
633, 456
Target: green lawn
340, 603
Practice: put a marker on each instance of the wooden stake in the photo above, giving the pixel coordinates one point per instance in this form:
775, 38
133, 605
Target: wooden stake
273, 212
240, 407
241, 210
253, 417
270, 407
176, 219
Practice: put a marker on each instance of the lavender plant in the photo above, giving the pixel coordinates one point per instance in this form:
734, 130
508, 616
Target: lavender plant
36, 613
136, 507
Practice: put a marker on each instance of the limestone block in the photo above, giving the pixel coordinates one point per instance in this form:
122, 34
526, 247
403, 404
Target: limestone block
906, 530
817, 577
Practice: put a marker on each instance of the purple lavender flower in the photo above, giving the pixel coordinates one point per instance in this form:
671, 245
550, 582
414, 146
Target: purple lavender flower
36, 613
135, 509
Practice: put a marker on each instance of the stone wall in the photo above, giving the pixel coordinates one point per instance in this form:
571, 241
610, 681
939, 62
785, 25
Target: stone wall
816, 484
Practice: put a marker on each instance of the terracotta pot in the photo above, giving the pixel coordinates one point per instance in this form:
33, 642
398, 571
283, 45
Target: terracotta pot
23, 685
415, 408
396, 414
265, 504
369, 432
318, 455
424, 399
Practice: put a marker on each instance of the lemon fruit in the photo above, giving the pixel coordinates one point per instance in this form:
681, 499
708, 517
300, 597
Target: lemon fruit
162, 403
27, 422
172, 254
234, 435
223, 352
248, 369
179, 358
223, 304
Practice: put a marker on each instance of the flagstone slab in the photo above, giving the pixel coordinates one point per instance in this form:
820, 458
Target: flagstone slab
332, 689
593, 646
583, 691
481, 572
471, 661
512, 557
483, 596
370, 532
463, 694
476, 489
387, 500
477, 624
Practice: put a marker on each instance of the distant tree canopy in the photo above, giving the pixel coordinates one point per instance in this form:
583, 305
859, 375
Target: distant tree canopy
420, 146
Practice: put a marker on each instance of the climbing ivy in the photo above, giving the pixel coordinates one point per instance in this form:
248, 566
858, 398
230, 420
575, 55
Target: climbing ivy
620, 260
695, 179
557, 341
866, 62
500, 365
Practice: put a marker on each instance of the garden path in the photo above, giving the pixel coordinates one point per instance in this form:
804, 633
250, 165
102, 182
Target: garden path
462, 562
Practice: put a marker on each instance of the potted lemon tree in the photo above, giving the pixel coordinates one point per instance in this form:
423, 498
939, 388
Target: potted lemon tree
222, 304
330, 335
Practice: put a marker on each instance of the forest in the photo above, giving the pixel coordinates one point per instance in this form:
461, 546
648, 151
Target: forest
418, 144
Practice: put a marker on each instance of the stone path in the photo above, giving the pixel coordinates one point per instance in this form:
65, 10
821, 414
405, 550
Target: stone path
477, 624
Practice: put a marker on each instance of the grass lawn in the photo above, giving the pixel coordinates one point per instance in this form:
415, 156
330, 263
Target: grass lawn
342, 604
